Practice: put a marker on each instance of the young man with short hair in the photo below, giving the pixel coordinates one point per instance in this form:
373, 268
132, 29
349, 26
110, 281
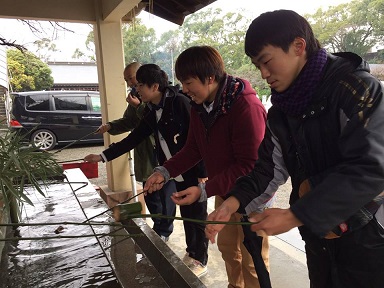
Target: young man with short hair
226, 128
326, 132
167, 117
144, 153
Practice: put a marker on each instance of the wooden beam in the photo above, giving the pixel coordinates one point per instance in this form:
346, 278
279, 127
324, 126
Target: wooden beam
82, 11
115, 10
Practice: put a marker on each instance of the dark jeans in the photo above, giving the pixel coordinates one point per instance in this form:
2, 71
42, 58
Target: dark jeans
160, 202
354, 260
197, 243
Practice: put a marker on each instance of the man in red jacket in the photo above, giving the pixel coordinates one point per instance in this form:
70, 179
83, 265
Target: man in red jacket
226, 128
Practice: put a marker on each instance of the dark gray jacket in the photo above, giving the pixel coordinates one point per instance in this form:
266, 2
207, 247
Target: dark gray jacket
337, 145
144, 153
173, 126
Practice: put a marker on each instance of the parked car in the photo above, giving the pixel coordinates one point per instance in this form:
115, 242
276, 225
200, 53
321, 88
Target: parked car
48, 118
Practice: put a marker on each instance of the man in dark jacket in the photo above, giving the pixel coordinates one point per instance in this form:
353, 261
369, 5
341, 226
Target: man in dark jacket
326, 132
144, 153
167, 117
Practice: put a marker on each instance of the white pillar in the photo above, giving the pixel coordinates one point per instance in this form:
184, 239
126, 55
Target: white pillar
110, 63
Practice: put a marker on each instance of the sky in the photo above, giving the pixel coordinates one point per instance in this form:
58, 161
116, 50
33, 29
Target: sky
67, 42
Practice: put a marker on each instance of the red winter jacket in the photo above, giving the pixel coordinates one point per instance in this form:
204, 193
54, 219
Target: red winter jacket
227, 141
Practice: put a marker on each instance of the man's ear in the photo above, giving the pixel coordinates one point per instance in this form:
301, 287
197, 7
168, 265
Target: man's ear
155, 87
211, 79
299, 45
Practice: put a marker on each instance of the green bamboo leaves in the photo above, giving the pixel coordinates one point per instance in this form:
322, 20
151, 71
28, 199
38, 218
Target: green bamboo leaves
22, 167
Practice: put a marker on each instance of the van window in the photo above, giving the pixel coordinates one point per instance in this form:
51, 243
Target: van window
70, 103
37, 102
96, 107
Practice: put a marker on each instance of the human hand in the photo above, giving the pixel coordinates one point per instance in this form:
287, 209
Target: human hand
202, 180
103, 128
154, 183
133, 100
274, 221
92, 158
187, 196
222, 214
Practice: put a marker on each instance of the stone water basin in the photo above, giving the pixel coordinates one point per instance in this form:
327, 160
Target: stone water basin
104, 261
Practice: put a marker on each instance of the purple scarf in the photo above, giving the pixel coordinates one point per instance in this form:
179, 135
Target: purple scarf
297, 97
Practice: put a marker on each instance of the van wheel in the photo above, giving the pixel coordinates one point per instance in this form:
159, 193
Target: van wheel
44, 139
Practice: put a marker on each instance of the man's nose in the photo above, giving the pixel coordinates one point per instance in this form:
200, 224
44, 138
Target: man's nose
264, 73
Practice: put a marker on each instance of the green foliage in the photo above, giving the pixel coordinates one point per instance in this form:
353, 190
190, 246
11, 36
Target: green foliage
27, 72
139, 43
377, 18
22, 167
44, 47
379, 57
78, 54
169, 46
350, 27
224, 32
90, 53
18, 80
90, 44
248, 71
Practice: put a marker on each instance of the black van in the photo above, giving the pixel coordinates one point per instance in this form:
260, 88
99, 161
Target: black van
48, 118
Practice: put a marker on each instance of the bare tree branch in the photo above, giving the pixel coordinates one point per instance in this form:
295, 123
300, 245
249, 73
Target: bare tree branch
37, 29
4, 42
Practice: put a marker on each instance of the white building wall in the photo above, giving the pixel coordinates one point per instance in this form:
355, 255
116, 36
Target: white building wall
3, 68
4, 96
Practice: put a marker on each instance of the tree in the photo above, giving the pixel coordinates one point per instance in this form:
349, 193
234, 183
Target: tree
90, 45
139, 43
170, 46
378, 58
224, 32
18, 80
377, 19
44, 47
5, 42
78, 54
27, 72
90, 54
40, 29
350, 26
248, 71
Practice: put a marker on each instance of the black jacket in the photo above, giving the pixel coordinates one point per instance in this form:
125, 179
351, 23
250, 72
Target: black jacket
337, 144
144, 154
173, 126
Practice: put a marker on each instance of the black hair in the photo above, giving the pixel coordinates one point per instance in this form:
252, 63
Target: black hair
279, 28
201, 62
150, 74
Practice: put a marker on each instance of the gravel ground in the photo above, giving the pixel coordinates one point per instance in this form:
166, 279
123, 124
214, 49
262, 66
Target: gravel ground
78, 152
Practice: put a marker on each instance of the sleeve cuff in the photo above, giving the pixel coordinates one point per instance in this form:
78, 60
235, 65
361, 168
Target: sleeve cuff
163, 171
103, 158
203, 195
